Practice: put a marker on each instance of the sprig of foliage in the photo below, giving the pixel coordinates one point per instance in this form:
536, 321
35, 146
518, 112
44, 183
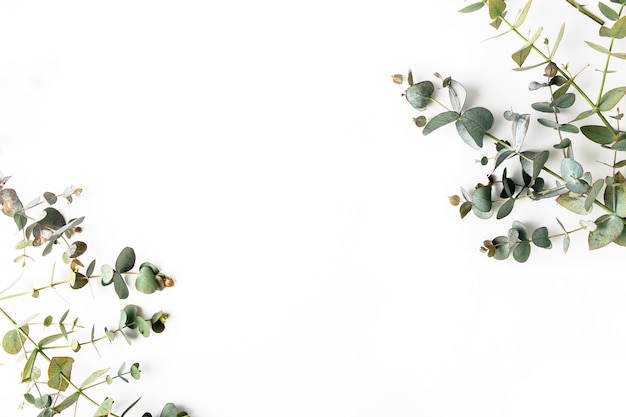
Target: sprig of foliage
541, 172
50, 386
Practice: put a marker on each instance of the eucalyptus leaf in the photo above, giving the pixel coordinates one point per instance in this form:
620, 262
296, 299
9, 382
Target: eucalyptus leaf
125, 260
418, 95
521, 253
473, 125
618, 30
60, 372
599, 134
541, 238
574, 204
612, 97
472, 7
615, 196
457, 95
105, 408
440, 120
481, 199
608, 12
609, 228
506, 208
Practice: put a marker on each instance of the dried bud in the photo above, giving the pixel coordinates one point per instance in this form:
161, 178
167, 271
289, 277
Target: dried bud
551, 70
420, 121
166, 280
397, 78
454, 200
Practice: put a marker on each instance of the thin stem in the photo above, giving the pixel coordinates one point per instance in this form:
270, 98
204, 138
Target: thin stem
586, 12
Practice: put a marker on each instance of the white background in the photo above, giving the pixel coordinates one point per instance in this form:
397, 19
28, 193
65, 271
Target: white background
259, 153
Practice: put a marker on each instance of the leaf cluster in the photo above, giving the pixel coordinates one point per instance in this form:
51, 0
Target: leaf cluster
49, 348
526, 170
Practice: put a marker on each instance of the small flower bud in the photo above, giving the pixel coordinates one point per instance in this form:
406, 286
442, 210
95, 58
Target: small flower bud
551, 70
398, 78
454, 200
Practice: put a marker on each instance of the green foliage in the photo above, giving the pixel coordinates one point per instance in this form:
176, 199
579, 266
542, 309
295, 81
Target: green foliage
543, 171
49, 348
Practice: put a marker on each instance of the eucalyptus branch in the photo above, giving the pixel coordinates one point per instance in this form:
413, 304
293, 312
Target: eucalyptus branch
577, 189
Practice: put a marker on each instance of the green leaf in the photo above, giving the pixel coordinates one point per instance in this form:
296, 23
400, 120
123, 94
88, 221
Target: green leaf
93, 377
620, 145
473, 125
618, 30
59, 372
521, 17
418, 95
129, 315
121, 289
505, 208
147, 281
496, 8
521, 229
570, 169
440, 120
457, 95
608, 12
593, 193
611, 98
584, 115
67, 402
598, 48
125, 260
13, 340
599, 134
134, 371
541, 239
472, 7
521, 253
105, 408
534, 162
520, 128
481, 199
29, 367
142, 326
170, 410
574, 204
107, 274
502, 156
609, 228
557, 43
564, 101
521, 54
50, 339
615, 195
544, 107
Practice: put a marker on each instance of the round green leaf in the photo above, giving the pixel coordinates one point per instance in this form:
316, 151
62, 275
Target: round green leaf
541, 239
474, 123
13, 340
147, 281
125, 260
418, 95
107, 274
481, 198
521, 253
609, 228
